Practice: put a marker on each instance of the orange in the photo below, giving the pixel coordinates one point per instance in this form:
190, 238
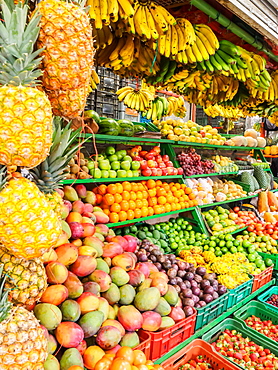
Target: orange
177, 194
115, 208
152, 192
183, 186
119, 187
168, 207
102, 189
157, 210
161, 200
132, 204
120, 364
118, 198
124, 205
178, 206
150, 211
186, 205
141, 187
186, 198
173, 207
151, 184
112, 188
108, 199
134, 186
166, 186
188, 190
98, 198
95, 190
145, 194
114, 217
182, 205
133, 195
191, 203
161, 191
103, 364
106, 211
144, 212
145, 203
139, 357
127, 186
152, 201
126, 353
126, 195
142, 367
139, 194
173, 189
139, 203
191, 196
122, 216
137, 213
196, 202
178, 185
130, 214
158, 182
92, 355
104, 206
169, 198
162, 209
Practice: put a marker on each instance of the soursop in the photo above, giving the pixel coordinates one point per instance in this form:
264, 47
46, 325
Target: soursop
262, 177
247, 179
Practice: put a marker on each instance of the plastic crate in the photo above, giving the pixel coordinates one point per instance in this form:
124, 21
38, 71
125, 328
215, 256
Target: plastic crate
211, 311
197, 348
163, 341
273, 257
239, 293
264, 297
262, 278
232, 324
145, 344
257, 309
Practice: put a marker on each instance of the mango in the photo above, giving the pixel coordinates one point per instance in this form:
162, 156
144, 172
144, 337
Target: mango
130, 318
115, 323
70, 310
91, 323
56, 272
51, 363
108, 337
111, 314
51, 344
146, 284
74, 286
151, 321
69, 334
103, 307
112, 295
70, 358
112, 249
48, 315
124, 260
163, 307
160, 284
92, 287
130, 340
102, 265
70, 193
88, 302
55, 294
94, 242
166, 322
119, 276
136, 277
83, 266
147, 299
127, 293
171, 296
102, 278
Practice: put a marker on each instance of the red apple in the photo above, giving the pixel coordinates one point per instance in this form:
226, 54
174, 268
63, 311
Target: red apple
143, 153
156, 149
147, 172
165, 157
164, 172
169, 164
159, 171
137, 158
175, 171
162, 165
149, 156
154, 171
151, 163
159, 159
143, 164
180, 171
170, 170
155, 164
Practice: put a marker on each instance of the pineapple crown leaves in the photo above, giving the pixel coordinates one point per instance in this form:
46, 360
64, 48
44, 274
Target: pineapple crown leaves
49, 174
5, 304
19, 63
3, 177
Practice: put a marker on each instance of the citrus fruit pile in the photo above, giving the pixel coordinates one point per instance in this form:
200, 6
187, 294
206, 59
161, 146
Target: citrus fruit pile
130, 200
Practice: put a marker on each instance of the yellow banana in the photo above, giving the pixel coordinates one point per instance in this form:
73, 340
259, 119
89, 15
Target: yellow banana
115, 53
161, 24
144, 24
104, 12
167, 16
127, 49
92, 12
162, 44
181, 41
113, 9
127, 7
197, 53
151, 24
188, 32
101, 38
207, 31
95, 76
98, 22
168, 43
108, 35
190, 56
201, 47
175, 40
210, 48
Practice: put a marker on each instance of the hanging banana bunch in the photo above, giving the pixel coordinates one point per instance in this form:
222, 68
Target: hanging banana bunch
94, 79
138, 99
185, 79
102, 37
232, 113
176, 107
167, 68
157, 109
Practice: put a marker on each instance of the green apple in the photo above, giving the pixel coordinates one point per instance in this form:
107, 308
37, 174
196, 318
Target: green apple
129, 173
125, 165
112, 174
136, 173
110, 150
96, 173
120, 154
121, 173
100, 157
91, 165
112, 158
127, 158
104, 164
116, 165
135, 165
105, 174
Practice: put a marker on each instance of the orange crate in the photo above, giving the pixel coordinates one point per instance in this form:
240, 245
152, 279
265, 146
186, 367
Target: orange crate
262, 278
145, 343
196, 348
163, 341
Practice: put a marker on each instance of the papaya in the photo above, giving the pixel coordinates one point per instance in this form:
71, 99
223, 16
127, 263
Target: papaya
272, 200
262, 202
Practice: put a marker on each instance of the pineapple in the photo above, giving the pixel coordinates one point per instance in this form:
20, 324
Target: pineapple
26, 279
28, 225
49, 174
25, 112
23, 344
68, 61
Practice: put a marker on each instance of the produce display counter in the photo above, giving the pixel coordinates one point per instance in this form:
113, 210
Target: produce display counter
199, 333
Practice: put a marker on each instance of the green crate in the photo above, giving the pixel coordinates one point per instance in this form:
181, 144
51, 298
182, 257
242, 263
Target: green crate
211, 311
273, 257
232, 324
265, 295
257, 309
239, 293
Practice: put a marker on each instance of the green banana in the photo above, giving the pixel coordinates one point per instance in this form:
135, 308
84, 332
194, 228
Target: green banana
215, 64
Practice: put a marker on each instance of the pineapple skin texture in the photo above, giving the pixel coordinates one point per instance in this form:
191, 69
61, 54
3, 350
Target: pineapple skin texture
66, 34
25, 126
26, 279
28, 225
23, 344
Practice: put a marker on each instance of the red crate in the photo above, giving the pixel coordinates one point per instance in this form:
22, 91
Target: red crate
145, 343
163, 341
196, 348
262, 278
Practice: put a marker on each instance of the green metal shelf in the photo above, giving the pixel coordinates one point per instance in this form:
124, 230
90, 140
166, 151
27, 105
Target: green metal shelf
228, 201
274, 190
225, 147
135, 220
210, 325
210, 174
239, 230
120, 179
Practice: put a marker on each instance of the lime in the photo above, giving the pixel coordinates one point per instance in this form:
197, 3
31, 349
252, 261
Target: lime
251, 257
222, 243
246, 244
225, 250
206, 247
268, 262
177, 239
218, 253
212, 244
174, 245
233, 250
240, 249
189, 227
236, 243
229, 244
251, 249
211, 249
229, 237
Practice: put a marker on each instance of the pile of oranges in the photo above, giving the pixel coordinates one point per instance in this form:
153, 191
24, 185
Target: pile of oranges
131, 200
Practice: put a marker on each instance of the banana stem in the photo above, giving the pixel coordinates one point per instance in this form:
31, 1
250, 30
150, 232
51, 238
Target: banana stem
225, 22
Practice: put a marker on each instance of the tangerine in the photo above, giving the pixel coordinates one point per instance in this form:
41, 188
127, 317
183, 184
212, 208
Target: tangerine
144, 212
151, 184
150, 211
137, 213
113, 217
127, 185
161, 200
112, 189
132, 204
133, 195
122, 216
102, 189
108, 199
126, 195
118, 198
126, 353
119, 187
115, 207
124, 205
130, 214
